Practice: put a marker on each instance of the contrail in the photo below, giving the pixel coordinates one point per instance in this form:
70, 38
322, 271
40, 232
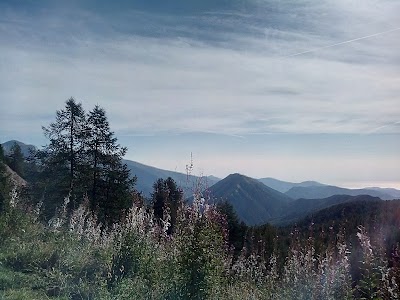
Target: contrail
383, 126
342, 43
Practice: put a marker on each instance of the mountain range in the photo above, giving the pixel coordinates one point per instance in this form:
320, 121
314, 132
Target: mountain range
324, 191
255, 201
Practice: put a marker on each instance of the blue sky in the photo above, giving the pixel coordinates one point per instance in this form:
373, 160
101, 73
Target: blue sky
293, 89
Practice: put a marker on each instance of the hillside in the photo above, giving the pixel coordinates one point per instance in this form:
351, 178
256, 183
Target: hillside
284, 186
378, 217
319, 192
302, 208
15, 179
254, 202
147, 175
391, 191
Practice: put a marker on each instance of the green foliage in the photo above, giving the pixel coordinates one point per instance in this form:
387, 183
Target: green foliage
138, 259
37, 261
202, 259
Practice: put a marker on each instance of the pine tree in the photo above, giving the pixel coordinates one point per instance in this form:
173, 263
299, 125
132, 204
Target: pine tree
2, 157
167, 198
62, 158
159, 198
236, 228
111, 185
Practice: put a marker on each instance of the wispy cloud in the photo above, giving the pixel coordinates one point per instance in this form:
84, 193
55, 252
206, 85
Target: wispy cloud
192, 79
244, 72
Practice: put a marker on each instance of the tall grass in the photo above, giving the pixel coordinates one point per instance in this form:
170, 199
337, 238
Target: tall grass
75, 257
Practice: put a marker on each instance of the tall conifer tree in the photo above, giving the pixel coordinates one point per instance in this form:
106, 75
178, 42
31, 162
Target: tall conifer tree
63, 156
167, 196
111, 184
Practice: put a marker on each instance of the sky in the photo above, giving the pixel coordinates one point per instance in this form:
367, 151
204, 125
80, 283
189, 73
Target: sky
295, 90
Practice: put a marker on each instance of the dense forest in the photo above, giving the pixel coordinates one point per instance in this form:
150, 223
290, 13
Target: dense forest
73, 226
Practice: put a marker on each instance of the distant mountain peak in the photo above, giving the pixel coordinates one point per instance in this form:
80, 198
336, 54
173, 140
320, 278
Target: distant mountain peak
25, 148
236, 175
254, 202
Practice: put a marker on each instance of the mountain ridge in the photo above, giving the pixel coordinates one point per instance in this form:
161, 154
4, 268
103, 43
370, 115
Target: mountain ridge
302, 208
147, 176
254, 202
284, 186
318, 192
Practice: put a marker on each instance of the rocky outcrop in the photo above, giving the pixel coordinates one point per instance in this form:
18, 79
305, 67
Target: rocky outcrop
15, 179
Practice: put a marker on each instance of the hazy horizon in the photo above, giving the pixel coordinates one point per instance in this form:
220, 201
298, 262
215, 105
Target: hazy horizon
291, 90
180, 166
